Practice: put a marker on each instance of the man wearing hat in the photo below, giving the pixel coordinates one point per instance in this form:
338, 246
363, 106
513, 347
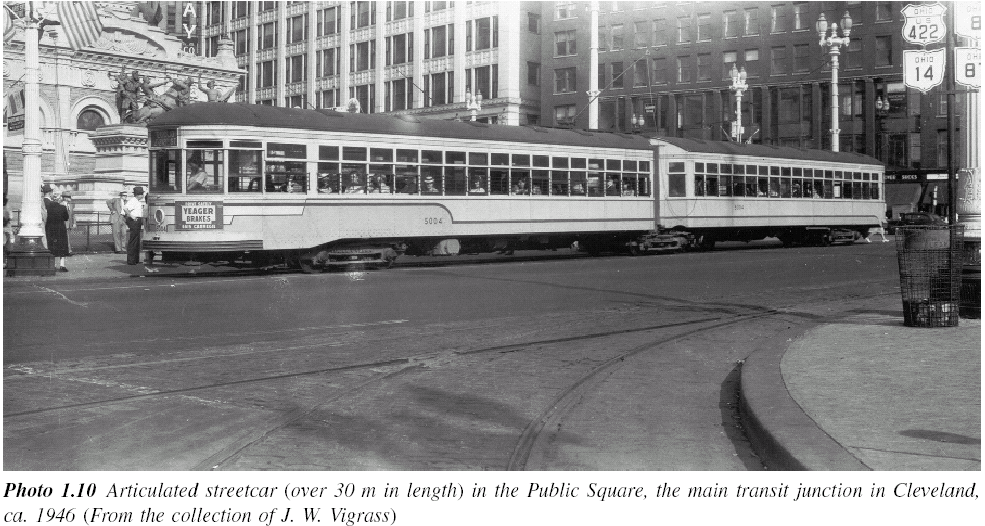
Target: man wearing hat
133, 214
54, 227
116, 221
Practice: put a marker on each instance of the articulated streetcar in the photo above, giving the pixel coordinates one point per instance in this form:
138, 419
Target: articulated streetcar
320, 188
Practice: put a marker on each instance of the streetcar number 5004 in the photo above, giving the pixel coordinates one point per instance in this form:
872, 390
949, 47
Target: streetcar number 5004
433, 220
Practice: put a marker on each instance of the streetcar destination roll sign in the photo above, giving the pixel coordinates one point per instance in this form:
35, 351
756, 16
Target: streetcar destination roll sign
198, 215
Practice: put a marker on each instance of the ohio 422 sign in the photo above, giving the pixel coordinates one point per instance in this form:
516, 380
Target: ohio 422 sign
923, 70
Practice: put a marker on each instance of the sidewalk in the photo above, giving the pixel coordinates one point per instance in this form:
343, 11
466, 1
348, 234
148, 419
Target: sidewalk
89, 265
866, 392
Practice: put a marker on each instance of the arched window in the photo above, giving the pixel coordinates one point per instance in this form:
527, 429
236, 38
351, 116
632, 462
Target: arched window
90, 119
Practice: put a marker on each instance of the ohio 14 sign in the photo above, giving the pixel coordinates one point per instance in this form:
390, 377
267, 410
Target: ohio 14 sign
924, 24
923, 70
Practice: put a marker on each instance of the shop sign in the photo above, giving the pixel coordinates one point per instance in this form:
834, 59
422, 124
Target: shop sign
198, 215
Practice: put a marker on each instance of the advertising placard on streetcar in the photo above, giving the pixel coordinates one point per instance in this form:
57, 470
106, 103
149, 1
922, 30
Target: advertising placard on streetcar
923, 70
924, 24
198, 215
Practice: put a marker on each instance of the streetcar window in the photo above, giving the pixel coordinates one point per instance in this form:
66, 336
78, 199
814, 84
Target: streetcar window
612, 184
165, 165
521, 182
500, 159
839, 175
542, 161
857, 176
846, 189
244, 171
828, 174
865, 191
857, 190
431, 180
353, 153
353, 178
203, 170
431, 156
795, 187
578, 162
774, 170
713, 168
711, 185
380, 179
406, 180
699, 168
540, 182
738, 186
751, 170
290, 151
455, 183
252, 145
738, 169
478, 178
594, 184
763, 188
785, 186
725, 168
559, 181
204, 144
699, 182
819, 189
499, 181
679, 168
629, 166
454, 157
560, 162
676, 184
478, 159
521, 160
406, 156
613, 164
828, 190
380, 155
629, 184
644, 182
865, 176
774, 187
764, 170
874, 191
328, 153
808, 172
725, 185
579, 182
328, 178
288, 177
836, 189
785, 171
645, 166
798, 172
751, 186
596, 164
808, 189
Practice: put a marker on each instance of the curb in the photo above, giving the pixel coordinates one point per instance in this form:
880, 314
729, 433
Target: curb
781, 434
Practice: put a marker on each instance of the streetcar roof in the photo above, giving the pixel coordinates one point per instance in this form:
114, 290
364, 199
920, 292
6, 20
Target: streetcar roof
243, 114
762, 150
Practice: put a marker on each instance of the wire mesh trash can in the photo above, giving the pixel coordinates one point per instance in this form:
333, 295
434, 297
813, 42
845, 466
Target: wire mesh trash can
930, 266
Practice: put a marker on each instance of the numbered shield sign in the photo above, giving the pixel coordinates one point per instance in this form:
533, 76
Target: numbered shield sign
968, 66
968, 19
924, 24
923, 70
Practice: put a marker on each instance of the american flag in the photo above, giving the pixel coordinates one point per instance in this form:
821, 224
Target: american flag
15, 103
80, 23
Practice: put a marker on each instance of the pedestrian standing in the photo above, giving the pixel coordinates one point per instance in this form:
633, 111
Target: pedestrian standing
133, 213
66, 201
8, 231
116, 222
56, 217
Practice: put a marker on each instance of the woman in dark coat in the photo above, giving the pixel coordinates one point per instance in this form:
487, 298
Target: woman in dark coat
54, 228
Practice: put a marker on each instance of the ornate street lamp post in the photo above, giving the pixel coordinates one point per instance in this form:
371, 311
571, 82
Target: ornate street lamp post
882, 110
638, 122
834, 43
739, 85
29, 256
473, 104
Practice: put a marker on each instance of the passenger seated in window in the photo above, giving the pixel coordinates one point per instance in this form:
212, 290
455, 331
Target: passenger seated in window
355, 185
324, 185
476, 187
611, 188
407, 185
577, 189
521, 187
199, 180
429, 187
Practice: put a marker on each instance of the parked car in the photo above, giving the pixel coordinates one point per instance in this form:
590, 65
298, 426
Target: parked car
919, 218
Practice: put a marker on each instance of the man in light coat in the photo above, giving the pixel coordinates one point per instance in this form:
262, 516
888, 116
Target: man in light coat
117, 222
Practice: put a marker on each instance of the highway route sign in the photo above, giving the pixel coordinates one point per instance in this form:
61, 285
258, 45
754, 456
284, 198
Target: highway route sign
968, 19
923, 70
968, 66
924, 24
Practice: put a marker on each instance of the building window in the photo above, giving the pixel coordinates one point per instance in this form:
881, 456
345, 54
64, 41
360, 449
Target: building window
533, 23
853, 57
779, 62
440, 87
683, 30
683, 70
297, 29
267, 6
564, 80
533, 74
639, 73
327, 62
884, 51
329, 21
788, 105
486, 81
884, 11
266, 74
942, 105
329, 98
730, 24
240, 9
704, 27
439, 41
399, 10
564, 115
618, 40
295, 69
268, 35
641, 34
751, 21
398, 95
617, 76
729, 60
564, 10
800, 20
564, 43
659, 71
659, 32
362, 14
366, 95
704, 67
297, 101
942, 148
752, 62
485, 33
89, 119
915, 149
400, 49
362, 56
801, 58
778, 19
241, 42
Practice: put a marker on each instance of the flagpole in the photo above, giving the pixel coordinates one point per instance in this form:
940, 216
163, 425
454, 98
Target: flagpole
29, 257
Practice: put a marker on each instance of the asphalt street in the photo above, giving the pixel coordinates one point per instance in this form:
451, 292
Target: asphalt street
514, 365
